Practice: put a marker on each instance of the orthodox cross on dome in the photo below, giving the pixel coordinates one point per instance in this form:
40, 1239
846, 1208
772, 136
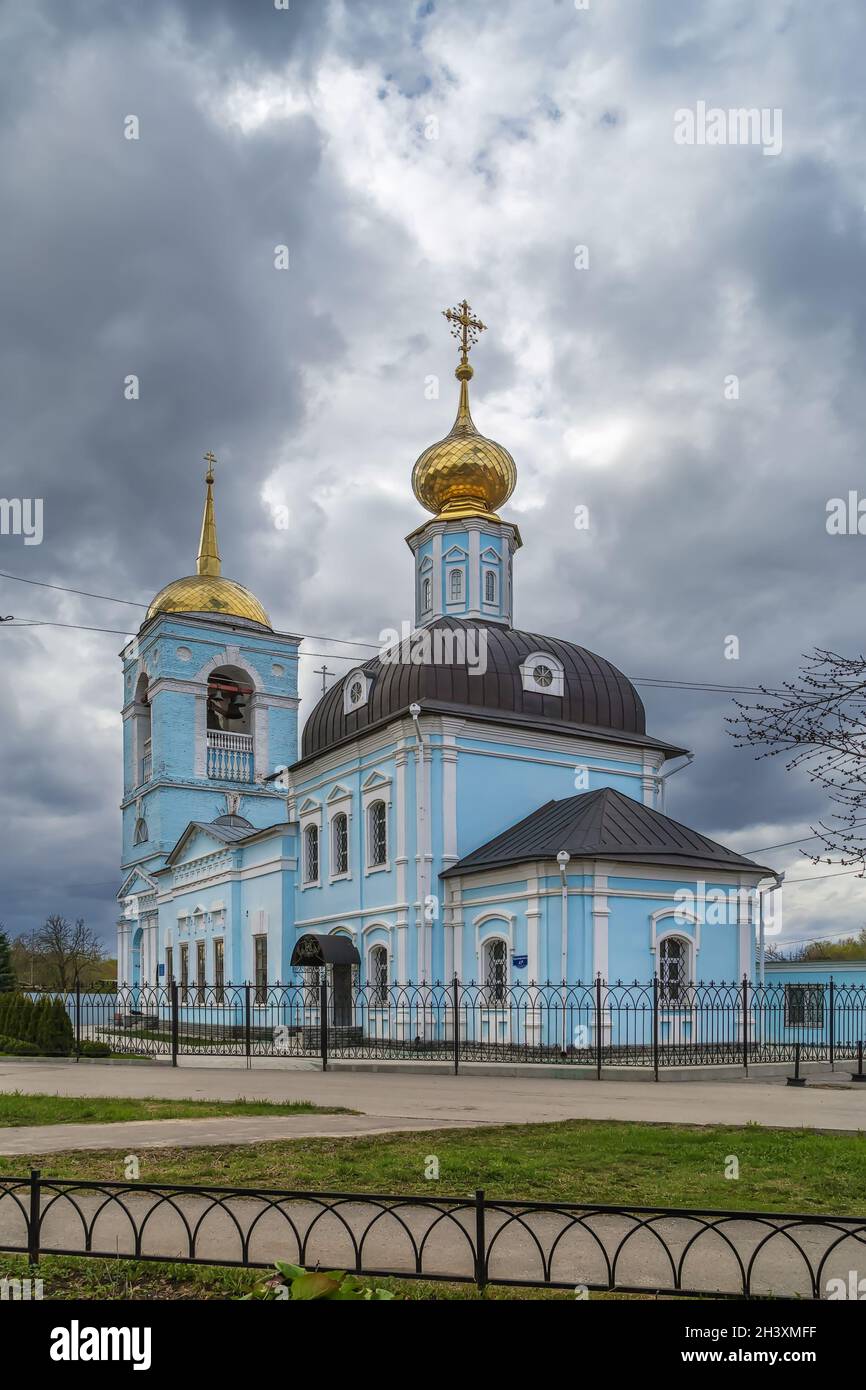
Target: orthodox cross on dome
464, 327
210, 460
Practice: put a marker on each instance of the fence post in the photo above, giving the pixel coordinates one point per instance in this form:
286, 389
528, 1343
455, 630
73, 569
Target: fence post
456, 996
77, 1019
248, 1020
746, 1022
175, 1022
480, 1242
655, 1026
598, 1039
832, 1024
34, 1224
323, 1017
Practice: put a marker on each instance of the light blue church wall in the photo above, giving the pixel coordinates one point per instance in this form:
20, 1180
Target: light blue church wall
798, 999
175, 656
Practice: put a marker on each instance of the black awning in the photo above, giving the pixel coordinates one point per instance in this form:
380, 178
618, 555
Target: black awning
315, 949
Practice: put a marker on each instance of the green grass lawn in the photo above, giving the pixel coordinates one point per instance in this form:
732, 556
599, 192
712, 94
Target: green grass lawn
578, 1160
19, 1108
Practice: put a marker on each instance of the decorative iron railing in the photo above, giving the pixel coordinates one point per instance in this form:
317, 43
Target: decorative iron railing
596, 1026
229, 756
478, 1239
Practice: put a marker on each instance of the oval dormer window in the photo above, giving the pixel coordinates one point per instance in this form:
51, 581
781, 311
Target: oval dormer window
356, 688
543, 673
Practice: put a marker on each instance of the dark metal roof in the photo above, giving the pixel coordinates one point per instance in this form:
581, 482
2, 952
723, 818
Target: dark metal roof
603, 824
229, 834
317, 948
598, 700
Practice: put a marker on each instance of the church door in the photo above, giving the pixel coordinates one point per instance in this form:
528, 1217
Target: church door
341, 995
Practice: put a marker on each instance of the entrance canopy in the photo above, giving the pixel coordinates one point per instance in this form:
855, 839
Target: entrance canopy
314, 949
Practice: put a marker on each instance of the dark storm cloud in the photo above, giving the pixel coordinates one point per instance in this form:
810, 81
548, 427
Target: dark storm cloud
155, 257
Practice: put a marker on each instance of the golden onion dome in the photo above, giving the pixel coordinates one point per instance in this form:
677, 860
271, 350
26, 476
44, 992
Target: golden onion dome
464, 474
198, 593
208, 591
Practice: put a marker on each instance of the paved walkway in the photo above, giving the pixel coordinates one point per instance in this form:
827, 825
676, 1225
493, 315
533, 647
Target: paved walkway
417, 1101
134, 1135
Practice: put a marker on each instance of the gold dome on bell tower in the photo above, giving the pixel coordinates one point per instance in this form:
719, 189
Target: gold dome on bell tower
465, 474
208, 591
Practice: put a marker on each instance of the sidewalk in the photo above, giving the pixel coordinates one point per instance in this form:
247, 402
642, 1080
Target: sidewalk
421, 1101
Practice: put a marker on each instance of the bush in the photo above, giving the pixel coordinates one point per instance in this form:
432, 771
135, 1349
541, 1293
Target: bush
95, 1049
15, 1047
43, 1023
55, 1037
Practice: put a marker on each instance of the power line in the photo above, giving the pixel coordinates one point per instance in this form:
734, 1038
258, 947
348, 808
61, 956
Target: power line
816, 878
135, 603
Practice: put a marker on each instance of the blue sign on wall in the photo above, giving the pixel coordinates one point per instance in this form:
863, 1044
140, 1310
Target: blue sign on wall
520, 962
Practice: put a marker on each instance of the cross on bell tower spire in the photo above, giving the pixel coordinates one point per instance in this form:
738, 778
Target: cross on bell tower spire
208, 560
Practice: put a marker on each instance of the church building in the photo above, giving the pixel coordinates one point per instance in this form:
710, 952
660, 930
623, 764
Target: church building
475, 800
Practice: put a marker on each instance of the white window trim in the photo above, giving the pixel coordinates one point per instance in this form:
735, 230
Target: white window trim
482, 977
452, 570
494, 601
343, 807
376, 788
687, 1008
310, 814
527, 666
377, 946
355, 677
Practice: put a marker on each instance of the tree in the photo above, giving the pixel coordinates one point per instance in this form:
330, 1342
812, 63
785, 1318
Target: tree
819, 721
7, 973
851, 948
66, 949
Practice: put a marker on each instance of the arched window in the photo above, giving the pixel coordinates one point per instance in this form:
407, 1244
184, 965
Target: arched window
455, 581
142, 724
489, 586
543, 673
311, 854
425, 596
140, 835
377, 833
495, 963
340, 844
674, 959
377, 974
229, 701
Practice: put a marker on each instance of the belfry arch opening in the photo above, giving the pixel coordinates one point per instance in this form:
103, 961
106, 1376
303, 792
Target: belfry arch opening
143, 756
229, 700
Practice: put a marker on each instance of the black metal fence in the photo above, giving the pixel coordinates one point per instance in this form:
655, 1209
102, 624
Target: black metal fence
479, 1240
595, 1025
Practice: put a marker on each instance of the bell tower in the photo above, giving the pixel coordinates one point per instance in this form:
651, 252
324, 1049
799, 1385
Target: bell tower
210, 707
463, 557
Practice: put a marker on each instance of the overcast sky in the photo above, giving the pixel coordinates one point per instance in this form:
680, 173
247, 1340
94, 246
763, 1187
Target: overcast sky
407, 155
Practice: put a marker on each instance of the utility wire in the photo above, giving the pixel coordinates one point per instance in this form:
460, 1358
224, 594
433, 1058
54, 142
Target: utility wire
713, 687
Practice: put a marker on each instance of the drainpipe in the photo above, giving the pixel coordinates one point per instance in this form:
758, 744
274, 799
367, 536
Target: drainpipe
777, 880
663, 775
562, 860
415, 711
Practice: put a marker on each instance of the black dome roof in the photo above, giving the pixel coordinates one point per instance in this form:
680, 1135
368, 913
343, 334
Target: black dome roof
597, 698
